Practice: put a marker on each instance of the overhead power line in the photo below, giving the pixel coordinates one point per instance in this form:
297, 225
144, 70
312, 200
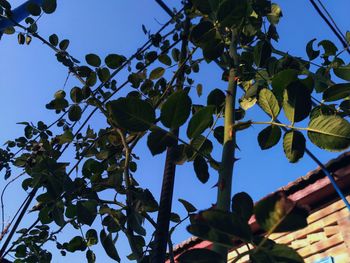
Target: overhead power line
331, 26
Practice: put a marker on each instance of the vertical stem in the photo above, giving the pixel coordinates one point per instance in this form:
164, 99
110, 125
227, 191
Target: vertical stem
166, 197
228, 152
129, 203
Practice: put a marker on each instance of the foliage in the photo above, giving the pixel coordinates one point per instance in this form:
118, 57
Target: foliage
228, 32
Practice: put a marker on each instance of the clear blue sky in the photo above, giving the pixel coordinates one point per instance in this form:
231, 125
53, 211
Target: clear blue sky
30, 75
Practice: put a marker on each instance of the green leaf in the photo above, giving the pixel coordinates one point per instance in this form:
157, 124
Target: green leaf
5, 4
90, 256
277, 213
103, 74
343, 72
91, 237
329, 132
269, 137
64, 44
203, 6
76, 95
228, 223
33, 9
60, 94
219, 134
131, 113
200, 121
176, 110
157, 73
216, 98
242, 204
311, 53
199, 144
74, 112
213, 49
188, 206
53, 39
262, 52
49, 6
337, 92
329, 48
198, 255
294, 145
296, 101
66, 137
202, 33
275, 14
76, 243
165, 59
201, 169
92, 167
232, 12
93, 60
86, 211
268, 103
158, 140
21, 38
281, 80
108, 245
114, 61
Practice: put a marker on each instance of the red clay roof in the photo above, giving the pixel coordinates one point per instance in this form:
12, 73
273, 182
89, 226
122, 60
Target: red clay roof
312, 190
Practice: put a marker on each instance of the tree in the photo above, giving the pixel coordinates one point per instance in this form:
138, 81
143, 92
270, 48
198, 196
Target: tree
229, 33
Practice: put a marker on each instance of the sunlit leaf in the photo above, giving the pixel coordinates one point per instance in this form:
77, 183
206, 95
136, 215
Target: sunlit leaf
329, 132
277, 213
268, 103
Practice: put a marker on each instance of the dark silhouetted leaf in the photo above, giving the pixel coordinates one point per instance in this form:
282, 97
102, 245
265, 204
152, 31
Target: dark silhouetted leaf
176, 110
131, 113
74, 112
200, 121
311, 53
158, 140
296, 102
114, 61
108, 245
188, 206
337, 92
49, 6
243, 205
201, 169
86, 211
294, 145
269, 137
93, 60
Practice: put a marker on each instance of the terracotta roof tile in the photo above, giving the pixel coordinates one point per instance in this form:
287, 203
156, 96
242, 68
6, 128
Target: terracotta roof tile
340, 167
